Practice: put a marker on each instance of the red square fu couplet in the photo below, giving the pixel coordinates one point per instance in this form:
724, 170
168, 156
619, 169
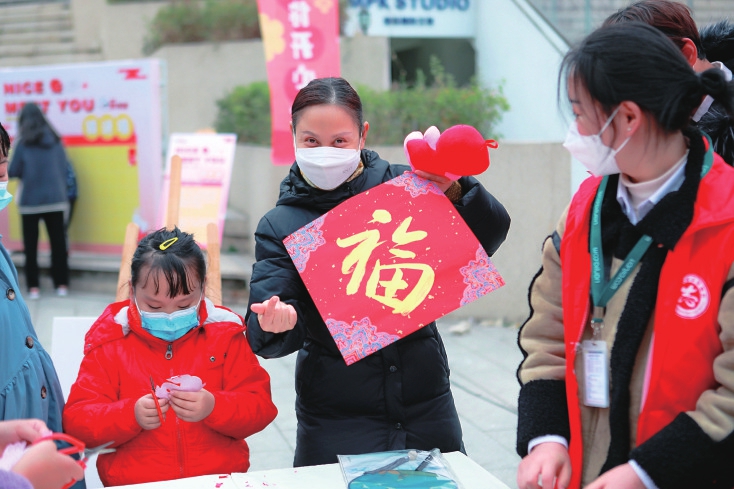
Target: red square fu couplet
388, 261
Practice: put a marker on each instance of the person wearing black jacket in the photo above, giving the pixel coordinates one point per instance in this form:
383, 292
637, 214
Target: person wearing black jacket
718, 44
713, 47
400, 396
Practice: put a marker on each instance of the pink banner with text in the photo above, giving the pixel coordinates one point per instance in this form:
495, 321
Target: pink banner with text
301, 40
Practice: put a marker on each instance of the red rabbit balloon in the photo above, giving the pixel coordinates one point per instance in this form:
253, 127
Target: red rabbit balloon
459, 151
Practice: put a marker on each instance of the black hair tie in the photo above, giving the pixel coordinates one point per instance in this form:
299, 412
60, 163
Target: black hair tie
713, 82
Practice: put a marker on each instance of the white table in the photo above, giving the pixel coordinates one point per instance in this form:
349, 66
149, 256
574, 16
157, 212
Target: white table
470, 474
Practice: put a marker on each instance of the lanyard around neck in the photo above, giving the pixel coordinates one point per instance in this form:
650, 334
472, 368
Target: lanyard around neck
602, 289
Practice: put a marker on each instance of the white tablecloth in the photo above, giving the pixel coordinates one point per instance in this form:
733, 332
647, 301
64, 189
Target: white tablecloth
470, 474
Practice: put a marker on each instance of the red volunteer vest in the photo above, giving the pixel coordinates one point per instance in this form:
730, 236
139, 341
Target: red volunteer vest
686, 329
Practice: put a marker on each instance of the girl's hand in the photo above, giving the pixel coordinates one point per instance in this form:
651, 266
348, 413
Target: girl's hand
442, 181
46, 468
275, 316
28, 430
548, 462
146, 413
192, 406
621, 476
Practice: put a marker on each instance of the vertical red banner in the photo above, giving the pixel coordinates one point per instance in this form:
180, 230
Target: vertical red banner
301, 40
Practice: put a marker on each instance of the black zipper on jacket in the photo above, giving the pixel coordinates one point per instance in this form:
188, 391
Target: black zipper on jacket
169, 351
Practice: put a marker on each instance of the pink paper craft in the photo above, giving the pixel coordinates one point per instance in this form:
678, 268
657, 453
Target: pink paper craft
14, 451
184, 383
387, 262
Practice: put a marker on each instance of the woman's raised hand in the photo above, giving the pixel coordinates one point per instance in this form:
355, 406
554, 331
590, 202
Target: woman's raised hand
442, 181
275, 316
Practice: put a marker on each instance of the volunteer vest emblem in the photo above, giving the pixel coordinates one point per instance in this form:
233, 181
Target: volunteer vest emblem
694, 297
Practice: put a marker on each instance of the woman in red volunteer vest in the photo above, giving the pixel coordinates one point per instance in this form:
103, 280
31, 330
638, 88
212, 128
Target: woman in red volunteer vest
628, 375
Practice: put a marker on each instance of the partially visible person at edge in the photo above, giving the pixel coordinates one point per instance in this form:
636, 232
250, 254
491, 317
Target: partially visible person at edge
168, 328
712, 48
718, 44
398, 397
628, 372
29, 385
40, 162
41, 466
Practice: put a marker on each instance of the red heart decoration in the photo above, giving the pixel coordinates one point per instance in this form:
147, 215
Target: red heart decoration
460, 151
423, 157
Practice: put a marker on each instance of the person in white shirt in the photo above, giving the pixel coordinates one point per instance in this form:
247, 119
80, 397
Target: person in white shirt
627, 378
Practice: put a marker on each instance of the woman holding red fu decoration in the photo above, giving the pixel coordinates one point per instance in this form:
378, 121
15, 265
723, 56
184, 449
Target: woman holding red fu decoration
398, 397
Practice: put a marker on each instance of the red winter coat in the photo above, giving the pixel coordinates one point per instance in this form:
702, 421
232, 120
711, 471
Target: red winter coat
120, 357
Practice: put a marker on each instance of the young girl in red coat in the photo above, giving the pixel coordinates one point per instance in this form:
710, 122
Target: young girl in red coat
168, 328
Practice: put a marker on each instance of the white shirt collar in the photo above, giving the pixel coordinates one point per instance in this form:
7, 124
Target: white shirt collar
708, 100
666, 183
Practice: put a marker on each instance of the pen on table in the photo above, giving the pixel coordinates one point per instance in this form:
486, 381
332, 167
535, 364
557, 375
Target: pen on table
155, 398
411, 455
431, 455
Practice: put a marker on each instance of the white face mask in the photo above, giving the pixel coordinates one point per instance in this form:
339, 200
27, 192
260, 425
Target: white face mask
327, 167
597, 157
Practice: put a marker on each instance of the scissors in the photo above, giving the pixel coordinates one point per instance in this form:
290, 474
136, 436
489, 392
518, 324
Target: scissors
77, 447
155, 398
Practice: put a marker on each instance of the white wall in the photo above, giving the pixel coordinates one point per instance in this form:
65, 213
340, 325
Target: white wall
514, 44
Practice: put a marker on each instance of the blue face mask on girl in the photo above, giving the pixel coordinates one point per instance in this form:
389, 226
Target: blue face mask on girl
5, 196
170, 327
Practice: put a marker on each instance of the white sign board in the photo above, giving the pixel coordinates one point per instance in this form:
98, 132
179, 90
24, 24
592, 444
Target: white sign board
108, 115
412, 18
206, 173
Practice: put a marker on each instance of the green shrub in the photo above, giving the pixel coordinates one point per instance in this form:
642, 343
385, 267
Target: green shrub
231, 19
245, 111
210, 20
195, 21
392, 114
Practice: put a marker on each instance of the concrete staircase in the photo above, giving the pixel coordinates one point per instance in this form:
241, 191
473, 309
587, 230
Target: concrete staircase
39, 33
575, 18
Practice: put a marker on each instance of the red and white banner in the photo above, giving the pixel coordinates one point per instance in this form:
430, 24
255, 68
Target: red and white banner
301, 40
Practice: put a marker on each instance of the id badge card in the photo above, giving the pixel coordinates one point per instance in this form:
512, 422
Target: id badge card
596, 375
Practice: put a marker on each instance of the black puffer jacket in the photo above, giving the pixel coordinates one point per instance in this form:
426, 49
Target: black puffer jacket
396, 398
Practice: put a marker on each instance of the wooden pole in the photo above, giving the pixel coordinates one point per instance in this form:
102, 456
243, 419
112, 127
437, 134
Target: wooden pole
174, 193
214, 272
128, 250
